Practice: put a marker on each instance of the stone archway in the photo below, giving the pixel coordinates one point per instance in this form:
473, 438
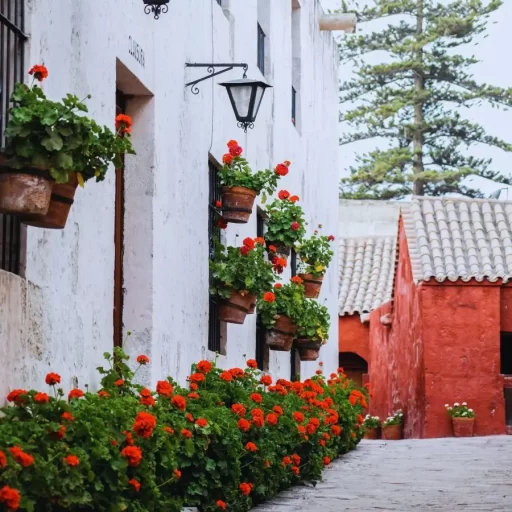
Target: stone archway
356, 368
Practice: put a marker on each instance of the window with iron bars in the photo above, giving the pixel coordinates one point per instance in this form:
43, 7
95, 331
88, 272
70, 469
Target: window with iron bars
12, 70
216, 328
294, 355
262, 349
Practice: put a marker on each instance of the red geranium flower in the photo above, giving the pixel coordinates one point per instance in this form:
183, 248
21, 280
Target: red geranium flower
251, 363
235, 150
272, 248
326, 461
278, 410
75, 393
277, 286
222, 224
179, 402
244, 425
245, 489
221, 504
119, 382
3, 459
11, 497
266, 380
286, 461
296, 280
197, 377
269, 297
135, 484
330, 238
239, 409
259, 240
193, 396
272, 419
283, 194
249, 242
201, 422
281, 170
41, 398
244, 250
142, 359
133, 454
16, 396
177, 473
164, 388
39, 71
294, 199
22, 458
193, 386
144, 424
124, 123
227, 159
71, 460
226, 376
256, 397
204, 366
186, 433
251, 447
298, 417
232, 143
295, 226
296, 459
52, 379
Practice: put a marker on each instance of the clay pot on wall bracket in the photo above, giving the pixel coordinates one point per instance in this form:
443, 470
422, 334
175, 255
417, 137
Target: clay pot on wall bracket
252, 306
463, 427
60, 205
24, 191
371, 433
282, 250
312, 285
308, 350
280, 337
237, 203
235, 309
392, 432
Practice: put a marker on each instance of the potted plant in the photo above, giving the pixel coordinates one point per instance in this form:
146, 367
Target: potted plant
463, 419
51, 147
371, 425
241, 185
285, 224
315, 255
240, 274
392, 427
280, 309
312, 330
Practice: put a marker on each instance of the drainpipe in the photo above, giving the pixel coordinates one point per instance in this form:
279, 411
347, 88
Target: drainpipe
340, 21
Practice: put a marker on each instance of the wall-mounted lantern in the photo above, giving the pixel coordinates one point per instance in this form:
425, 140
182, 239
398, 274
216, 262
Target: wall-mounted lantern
156, 7
245, 94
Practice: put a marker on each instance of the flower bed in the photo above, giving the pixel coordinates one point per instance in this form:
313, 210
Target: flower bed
231, 441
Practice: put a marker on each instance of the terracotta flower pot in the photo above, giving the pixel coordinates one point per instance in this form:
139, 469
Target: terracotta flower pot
281, 250
463, 427
24, 191
60, 205
392, 432
237, 203
312, 285
252, 306
281, 336
371, 433
235, 309
308, 350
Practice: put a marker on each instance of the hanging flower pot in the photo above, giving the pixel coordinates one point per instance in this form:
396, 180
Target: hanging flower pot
237, 204
278, 249
312, 285
252, 307
24, 191
62, 198
235, 309
241, 185
309, 350
280, 337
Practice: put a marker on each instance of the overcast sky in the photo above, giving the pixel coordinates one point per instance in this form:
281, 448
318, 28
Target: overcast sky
494, 69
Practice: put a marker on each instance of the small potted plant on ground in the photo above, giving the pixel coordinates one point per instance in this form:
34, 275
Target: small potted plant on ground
392, 427
463, 419
241, 185
279, 311
285, 224
371, 425
240, 274
315, 255
312, 330
50, 149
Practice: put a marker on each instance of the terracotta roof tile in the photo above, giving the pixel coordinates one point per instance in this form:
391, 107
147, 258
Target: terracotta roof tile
451, 238
367, 267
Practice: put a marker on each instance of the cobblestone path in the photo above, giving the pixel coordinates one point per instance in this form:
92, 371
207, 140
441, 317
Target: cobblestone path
431, 475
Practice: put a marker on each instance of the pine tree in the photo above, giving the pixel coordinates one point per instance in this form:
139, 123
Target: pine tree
413, 100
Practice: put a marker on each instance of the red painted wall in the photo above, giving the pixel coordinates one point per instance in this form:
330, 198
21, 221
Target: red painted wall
462, 355
354, 335
396, 351
443, 346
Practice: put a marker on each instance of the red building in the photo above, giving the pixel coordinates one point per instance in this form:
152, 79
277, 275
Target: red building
446, 335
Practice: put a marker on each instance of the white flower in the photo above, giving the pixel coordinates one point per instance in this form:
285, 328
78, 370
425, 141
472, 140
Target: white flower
377, 418
456, 404
446, 405
450, 408
464, 414
470, 410
464, 403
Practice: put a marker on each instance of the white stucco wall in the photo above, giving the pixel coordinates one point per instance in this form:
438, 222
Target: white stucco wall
71, 273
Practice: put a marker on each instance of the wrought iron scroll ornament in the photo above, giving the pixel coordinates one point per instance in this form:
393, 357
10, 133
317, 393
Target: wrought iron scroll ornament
157, 7
210, 68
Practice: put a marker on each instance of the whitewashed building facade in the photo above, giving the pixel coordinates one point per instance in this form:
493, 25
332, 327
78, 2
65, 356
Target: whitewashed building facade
58, 288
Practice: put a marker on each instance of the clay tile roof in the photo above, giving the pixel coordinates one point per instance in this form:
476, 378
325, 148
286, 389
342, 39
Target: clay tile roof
367, 268
451, 238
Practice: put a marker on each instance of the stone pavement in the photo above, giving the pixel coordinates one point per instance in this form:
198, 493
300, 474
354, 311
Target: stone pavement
431, 475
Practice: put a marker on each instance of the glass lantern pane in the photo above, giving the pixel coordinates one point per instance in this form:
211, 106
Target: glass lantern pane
242, 98
259, 96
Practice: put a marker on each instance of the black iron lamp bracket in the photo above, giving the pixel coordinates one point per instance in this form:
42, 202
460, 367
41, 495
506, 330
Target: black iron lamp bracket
210, 68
